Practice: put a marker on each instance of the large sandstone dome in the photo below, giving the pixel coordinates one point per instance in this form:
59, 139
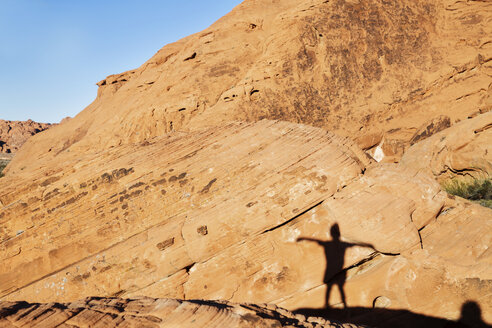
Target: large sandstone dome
377, 71
234, 166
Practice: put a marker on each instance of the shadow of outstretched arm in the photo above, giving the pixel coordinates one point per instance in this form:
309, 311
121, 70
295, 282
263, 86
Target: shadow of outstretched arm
326, 242
311, 239
363, 245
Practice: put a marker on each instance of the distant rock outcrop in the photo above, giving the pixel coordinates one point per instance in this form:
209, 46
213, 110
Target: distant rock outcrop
13, 134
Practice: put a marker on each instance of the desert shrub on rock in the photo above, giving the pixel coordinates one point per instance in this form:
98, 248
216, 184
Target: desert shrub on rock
477, 190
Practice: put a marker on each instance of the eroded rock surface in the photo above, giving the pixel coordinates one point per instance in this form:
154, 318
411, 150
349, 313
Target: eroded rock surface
463, 149
244, 213
179, 200
154, 313
152, 191
379, 72
13, 134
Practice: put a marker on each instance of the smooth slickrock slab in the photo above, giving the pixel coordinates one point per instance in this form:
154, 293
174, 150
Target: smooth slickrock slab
132, 217
275, 264
244, 213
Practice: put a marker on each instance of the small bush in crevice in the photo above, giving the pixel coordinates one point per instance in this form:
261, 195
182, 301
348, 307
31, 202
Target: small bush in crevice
477, 190
2, 166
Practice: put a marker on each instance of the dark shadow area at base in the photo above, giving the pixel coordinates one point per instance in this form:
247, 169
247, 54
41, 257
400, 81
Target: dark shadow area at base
388, 318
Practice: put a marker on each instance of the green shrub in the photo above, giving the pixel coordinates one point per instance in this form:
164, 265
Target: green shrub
2, 166
477, 190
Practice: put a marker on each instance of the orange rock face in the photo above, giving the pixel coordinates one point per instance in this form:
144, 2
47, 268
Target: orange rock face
153, 190
13, 134
379, 72
463, 149
218, 173
245, 213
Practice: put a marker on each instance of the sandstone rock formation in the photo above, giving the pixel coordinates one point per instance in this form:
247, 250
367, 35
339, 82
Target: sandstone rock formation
463, 149
219, 174
218, 213
13, 134
153, 190
155, 313
379, 72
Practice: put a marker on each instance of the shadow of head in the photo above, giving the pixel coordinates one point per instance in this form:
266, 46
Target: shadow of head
335, 231
471, 315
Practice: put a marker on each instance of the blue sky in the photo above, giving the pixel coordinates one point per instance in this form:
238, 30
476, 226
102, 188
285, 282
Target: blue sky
52, 52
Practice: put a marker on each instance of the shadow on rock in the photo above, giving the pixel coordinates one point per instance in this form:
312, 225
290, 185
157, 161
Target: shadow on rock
335, 258
471, 317
335, 275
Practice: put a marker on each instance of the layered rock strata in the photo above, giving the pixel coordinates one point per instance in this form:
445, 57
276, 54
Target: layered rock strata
463, 149
244, 213
384, 73
153, 190
154, 313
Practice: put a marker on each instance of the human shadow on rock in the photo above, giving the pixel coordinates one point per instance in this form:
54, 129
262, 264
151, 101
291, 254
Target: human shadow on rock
336, 274
335, 259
